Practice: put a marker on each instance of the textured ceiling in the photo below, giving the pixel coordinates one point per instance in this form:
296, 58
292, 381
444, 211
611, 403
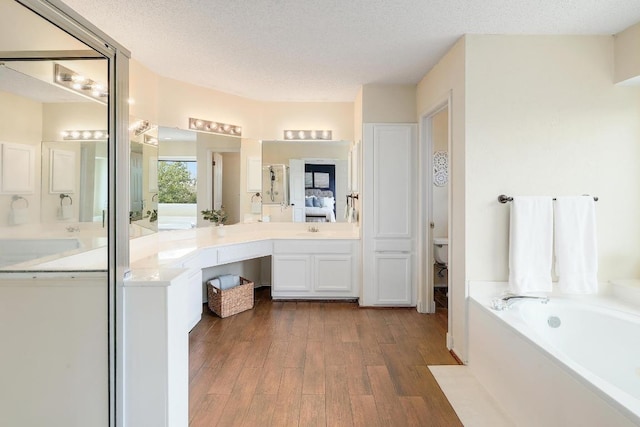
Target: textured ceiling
311, 50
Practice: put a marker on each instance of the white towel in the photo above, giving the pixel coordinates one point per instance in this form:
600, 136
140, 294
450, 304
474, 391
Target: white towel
19, 216
575, 245
66, 212
530, 244
256, 207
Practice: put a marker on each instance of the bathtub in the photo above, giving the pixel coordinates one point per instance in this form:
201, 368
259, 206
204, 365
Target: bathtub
571, 362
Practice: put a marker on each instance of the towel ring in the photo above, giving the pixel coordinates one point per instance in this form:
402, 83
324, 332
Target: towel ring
17, 198
65, 196
256, 195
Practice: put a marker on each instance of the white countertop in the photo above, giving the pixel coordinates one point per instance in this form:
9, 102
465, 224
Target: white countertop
166, 249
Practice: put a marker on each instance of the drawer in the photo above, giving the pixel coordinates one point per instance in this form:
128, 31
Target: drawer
243, 251
205, 258
313, 246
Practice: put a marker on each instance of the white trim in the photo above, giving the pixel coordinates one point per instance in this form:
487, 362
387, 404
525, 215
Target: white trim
425, 216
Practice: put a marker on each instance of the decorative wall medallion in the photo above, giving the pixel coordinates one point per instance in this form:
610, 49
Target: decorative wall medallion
440, 168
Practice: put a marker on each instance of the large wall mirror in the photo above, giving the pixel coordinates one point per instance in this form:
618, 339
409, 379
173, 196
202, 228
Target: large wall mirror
196, 171
315, 174
53, 145
143, 179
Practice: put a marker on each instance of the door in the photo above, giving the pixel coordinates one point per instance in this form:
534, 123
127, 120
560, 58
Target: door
389, 205
296, 185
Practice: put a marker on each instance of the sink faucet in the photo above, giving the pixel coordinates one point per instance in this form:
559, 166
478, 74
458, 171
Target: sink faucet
505, 301
313, 229
71, 228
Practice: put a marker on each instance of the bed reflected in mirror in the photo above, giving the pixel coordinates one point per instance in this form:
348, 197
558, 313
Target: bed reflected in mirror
317, 181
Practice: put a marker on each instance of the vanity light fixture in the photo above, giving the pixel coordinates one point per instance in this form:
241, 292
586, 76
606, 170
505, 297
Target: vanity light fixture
311, 135
84, 135
214, 127
140, 126
78, 83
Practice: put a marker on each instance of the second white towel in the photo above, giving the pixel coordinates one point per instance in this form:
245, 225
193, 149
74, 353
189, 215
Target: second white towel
530, 244
575, 245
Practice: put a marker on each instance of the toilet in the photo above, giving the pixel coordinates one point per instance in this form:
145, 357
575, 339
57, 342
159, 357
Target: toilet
441, 251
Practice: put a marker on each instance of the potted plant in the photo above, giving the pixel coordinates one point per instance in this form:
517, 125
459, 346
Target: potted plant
216, 216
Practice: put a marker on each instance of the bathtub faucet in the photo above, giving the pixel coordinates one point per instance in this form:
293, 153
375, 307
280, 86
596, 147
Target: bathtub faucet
505, 301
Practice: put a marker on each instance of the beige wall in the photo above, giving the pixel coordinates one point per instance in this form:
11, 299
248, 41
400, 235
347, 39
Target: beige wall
177, 101
143, 90
335, 116
21, 123
544, 118
447, 81
276, 152
357, 116
388, 103
627, 54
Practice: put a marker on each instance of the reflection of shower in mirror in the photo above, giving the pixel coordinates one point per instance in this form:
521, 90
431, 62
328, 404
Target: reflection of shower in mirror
275, 184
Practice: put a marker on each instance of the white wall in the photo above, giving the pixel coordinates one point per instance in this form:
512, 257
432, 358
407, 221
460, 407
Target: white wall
231, 186
544, 118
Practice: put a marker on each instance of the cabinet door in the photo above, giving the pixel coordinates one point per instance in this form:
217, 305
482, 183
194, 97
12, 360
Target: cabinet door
393, 178
291, 273
393, 278
333, 273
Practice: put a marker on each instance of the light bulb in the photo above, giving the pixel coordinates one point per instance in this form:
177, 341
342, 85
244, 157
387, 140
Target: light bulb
198, 124
226, 128
75, 134
78, 78
86, 134
97, 134
325, 134
76, 86
289, 134
238, 130
314, 135
301, 134
64, 134
95, 93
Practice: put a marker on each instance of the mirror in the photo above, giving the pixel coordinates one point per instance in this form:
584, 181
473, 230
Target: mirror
199, 164
68, 143
53, 145
318, 180
143, 211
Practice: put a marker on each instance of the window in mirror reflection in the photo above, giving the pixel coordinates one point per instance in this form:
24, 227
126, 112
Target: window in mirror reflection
177, 197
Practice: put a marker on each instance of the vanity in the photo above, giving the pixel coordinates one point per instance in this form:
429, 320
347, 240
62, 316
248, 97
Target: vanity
163, 297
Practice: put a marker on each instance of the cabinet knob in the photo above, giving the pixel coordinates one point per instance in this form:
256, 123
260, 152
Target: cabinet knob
432, 224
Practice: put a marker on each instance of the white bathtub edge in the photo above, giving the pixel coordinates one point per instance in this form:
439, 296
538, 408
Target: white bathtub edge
512, 353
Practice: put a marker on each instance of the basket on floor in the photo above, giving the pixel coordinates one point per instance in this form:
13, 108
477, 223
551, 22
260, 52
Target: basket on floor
228, 302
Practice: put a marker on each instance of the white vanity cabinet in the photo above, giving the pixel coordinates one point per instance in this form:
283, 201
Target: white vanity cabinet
156, 343
314, 268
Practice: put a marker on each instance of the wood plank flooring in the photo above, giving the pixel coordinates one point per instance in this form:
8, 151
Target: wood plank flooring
318, 364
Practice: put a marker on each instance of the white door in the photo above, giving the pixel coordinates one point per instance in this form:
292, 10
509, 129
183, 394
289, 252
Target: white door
296, 186
388, 217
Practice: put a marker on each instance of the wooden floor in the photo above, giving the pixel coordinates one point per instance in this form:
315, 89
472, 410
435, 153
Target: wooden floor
324, 364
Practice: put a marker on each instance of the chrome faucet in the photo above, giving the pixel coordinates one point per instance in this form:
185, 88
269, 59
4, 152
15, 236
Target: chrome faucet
505, 301
71, 228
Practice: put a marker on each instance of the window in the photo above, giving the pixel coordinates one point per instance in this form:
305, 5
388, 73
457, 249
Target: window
177, 194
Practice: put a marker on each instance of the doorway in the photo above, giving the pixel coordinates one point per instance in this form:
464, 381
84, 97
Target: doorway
435, 210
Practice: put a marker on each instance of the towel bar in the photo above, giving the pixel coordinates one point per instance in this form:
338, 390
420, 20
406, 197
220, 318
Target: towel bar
504, 199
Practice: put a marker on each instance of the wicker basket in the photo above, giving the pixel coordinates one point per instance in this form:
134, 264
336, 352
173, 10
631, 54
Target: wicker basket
231, 301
